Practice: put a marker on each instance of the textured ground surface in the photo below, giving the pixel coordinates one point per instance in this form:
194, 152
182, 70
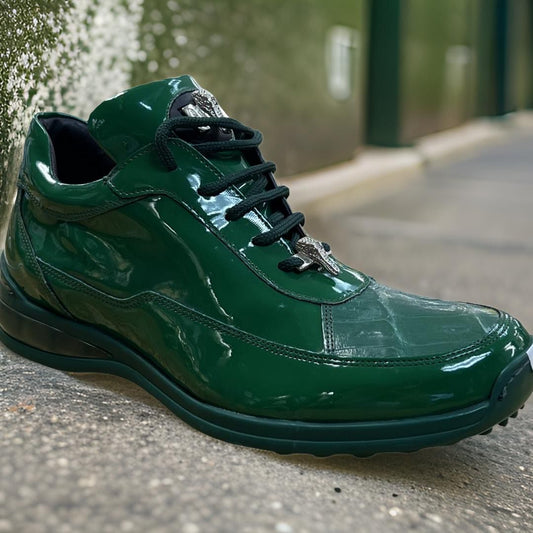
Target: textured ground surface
87, 453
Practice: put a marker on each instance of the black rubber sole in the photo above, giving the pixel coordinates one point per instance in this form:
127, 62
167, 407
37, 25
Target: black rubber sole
47, 338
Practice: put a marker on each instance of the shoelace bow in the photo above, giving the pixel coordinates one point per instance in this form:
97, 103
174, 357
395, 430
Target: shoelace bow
283, 224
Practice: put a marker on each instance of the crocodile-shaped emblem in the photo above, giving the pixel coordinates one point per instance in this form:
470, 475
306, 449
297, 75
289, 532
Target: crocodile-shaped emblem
312, 252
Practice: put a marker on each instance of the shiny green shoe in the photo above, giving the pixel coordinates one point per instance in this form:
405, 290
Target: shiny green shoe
153, 243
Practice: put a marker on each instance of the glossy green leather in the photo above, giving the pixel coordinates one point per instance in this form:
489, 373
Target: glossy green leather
143, 256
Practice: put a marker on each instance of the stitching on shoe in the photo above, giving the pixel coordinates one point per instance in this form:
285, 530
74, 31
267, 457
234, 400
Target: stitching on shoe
20, 228
329, 335
270, 346
142, 151
71, 217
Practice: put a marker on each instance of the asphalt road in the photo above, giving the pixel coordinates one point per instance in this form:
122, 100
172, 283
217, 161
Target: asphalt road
84, 453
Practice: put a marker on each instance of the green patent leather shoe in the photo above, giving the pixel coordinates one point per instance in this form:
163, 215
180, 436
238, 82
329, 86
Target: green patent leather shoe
152, 242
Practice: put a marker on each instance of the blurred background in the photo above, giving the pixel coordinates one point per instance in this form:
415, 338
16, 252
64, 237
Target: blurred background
320, 79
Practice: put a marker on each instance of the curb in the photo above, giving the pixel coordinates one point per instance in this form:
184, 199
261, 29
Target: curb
376, 171
357, 181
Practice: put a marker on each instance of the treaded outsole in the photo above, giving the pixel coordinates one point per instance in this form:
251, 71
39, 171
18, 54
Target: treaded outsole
503, 422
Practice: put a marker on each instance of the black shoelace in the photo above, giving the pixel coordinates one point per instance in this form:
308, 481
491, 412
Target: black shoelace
262, 192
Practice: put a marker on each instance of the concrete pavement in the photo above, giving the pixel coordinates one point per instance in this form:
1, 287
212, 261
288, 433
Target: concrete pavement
84, 453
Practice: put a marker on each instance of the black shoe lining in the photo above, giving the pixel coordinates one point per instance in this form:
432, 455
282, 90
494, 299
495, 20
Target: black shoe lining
76, 156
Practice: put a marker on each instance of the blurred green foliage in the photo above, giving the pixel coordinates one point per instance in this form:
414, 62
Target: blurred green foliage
435, 65
62, 55
24, 27
265, 62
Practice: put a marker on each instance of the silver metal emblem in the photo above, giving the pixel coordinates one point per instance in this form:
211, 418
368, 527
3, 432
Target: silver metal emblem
203, 104
312, 252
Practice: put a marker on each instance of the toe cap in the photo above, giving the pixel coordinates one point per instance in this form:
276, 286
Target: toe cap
384, 323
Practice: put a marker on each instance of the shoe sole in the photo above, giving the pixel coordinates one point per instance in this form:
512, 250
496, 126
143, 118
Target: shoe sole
58, 342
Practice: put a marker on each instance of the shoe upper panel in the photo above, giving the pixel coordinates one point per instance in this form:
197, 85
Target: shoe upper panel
144, 176
127, 122
154, 245
386, 323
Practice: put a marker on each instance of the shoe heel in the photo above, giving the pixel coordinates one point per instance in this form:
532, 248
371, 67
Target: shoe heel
39, 334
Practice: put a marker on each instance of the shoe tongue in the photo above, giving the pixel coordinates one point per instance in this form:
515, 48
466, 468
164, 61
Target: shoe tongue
127, 122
